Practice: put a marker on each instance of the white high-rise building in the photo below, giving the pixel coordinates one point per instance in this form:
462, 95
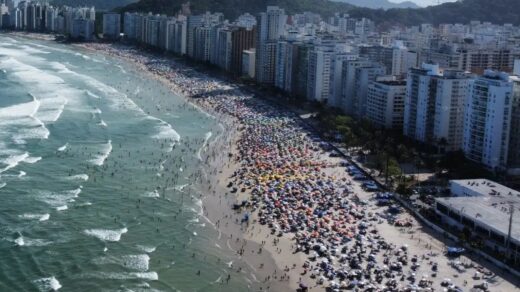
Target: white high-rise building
337, 78
248, 63
487, 121
397, 58
319, 76
348, 89
516, 67
286, 57
364, 75
176, 35
402, 59
271, 25
434, 106
51, 19
129, 25
111, 25
385, 103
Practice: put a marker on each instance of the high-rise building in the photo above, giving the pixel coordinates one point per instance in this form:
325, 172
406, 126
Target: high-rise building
202, 43
151, 31
487, 123
4, 15
176, 35
513, 164
194, 21
82, 29
111, 25
385, 103
348, 90
248, 63
207, 20
163, 32
472, 59
320, 67
30, 20
271, 25
242, 38
129, 25
51, 19
180, 36
434, 106
516, 67
286, 65
363, 77
337, 78
397, 59
221, 55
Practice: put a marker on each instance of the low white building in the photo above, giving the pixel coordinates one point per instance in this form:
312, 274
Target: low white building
482, 209
479, 188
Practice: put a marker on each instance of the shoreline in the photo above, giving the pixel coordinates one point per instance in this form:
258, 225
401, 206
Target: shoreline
259, 236
248, 246
291, 263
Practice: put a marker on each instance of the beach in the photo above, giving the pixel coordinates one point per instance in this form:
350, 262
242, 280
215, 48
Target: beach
298, 204
286, 208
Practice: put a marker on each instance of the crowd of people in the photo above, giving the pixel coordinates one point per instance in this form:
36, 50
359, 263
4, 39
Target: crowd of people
284, 169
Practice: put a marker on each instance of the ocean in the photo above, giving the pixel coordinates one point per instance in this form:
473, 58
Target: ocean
97, 173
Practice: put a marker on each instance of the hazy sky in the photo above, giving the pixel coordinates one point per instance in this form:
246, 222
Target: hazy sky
425, 2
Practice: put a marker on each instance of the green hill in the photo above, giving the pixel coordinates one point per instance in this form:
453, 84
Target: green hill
233, 8
463, 11
376, 4
101, 5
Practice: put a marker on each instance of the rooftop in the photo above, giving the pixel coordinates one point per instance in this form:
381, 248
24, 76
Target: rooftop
392, 82
486, 187
489, 211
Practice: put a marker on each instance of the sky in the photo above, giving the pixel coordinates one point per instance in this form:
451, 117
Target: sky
425, 2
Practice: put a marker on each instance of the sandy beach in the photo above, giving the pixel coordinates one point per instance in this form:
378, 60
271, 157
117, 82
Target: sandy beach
292, 212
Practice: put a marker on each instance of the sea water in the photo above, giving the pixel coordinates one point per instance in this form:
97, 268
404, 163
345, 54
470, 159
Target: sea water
92, 196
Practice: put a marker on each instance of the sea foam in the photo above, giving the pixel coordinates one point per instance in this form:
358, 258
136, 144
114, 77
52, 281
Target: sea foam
106, 234
13, 160
22, 117
62, 208
51, 89
39, 217
83, 177
154, 194
59, 200
32, 160
103, 154
153, 276
63, 148
147, 248
47, 284
207, 136
24, 241
134, 262
102, 124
